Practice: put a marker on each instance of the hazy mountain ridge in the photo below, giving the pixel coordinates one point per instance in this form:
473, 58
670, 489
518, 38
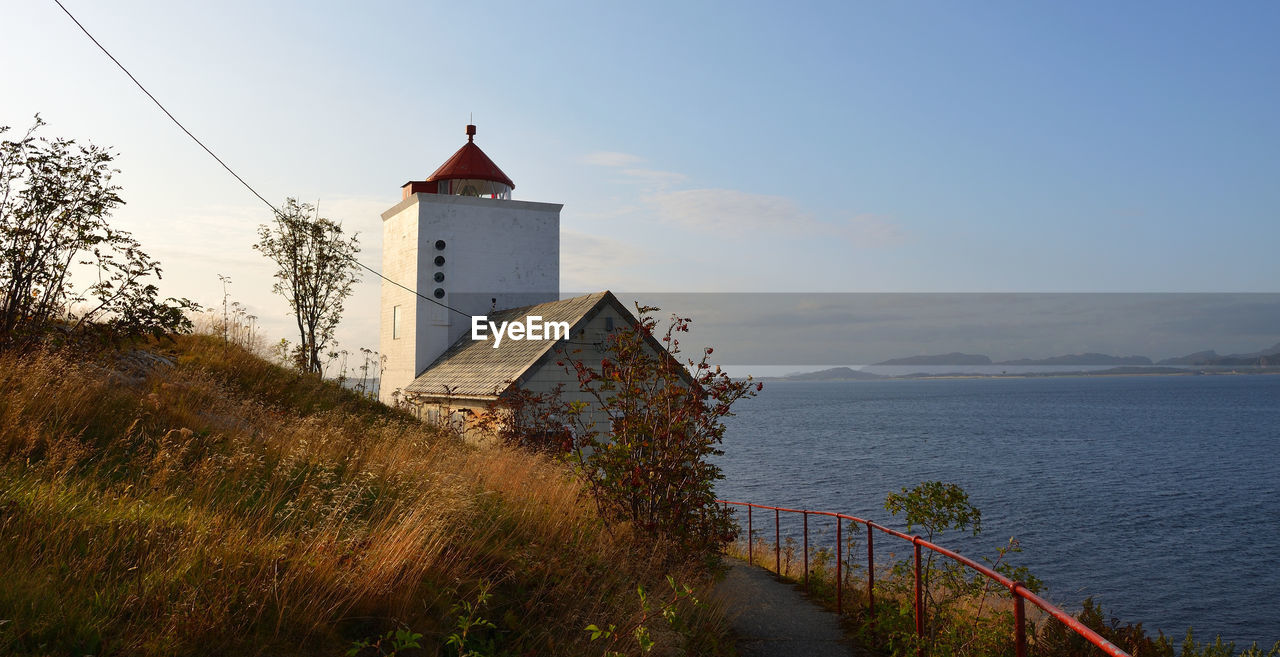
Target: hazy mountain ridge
1091, 358
830, 374
1268, 356
957, 358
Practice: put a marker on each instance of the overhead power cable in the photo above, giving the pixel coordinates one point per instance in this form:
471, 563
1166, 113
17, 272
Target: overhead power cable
241, 180
231, 171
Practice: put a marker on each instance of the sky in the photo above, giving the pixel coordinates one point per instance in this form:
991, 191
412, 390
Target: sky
697, 147
770, 334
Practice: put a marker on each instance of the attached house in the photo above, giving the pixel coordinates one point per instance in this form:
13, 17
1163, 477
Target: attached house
472, 374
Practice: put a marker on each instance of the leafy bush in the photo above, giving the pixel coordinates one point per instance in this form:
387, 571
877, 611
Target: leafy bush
961, 616
1057, 640
55, 199
651, 465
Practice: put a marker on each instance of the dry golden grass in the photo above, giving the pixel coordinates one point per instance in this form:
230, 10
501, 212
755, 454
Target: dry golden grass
228, 506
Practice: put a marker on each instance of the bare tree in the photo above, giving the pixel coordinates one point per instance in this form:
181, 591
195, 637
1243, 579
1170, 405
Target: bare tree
316, 268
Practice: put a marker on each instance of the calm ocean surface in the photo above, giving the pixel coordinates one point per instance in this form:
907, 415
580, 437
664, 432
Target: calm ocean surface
1158, 496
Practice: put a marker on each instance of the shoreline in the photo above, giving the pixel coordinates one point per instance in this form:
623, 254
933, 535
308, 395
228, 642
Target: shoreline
1022, 375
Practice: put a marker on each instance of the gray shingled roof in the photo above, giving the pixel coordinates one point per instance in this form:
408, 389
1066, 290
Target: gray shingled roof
474, 369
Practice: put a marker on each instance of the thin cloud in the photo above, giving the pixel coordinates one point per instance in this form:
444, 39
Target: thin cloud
608, 213
625, 164
737, 213
872, 230
652, 176
612, 159
218, 239
724, 210
591, 262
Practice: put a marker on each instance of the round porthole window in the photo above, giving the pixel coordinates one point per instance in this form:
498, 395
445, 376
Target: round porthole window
439, 293
439, 277
439, 245
439, 261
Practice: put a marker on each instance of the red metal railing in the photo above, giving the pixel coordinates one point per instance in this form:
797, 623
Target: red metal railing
1017, 590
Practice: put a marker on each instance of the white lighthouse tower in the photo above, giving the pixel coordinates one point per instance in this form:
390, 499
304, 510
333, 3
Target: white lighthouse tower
459, 239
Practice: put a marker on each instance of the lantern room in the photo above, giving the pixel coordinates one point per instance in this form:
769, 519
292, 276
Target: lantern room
469, 172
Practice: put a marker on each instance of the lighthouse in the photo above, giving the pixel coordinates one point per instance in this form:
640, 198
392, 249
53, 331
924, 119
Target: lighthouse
460, 240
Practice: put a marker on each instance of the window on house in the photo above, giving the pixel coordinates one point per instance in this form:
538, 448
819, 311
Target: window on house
608, 323
395, 322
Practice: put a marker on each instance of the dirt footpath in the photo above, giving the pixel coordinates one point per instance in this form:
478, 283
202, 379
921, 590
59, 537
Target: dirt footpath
773, 619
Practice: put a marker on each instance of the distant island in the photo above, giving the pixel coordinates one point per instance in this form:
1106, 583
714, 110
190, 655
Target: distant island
1081, 359
1264, 358
831, 374
956, 358
849, 374
1269, 357
1200, 362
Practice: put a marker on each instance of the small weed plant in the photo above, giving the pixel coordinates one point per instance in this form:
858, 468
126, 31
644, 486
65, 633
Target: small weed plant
390, 644
675, 609
473, 635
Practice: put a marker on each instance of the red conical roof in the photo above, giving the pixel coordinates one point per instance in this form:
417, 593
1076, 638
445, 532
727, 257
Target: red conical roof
470, 163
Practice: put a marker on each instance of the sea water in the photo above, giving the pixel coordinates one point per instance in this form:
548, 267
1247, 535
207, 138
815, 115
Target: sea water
1159, 496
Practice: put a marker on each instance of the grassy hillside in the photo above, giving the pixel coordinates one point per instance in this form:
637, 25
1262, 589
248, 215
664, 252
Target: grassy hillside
224, 505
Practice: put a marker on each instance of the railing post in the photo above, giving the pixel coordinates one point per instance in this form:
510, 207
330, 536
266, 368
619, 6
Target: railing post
777, 544
919, 600
1019, 622
751, 539
806, 550
839, 569
871, 573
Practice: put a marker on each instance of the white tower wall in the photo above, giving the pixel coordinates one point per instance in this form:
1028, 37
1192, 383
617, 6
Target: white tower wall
494, 249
